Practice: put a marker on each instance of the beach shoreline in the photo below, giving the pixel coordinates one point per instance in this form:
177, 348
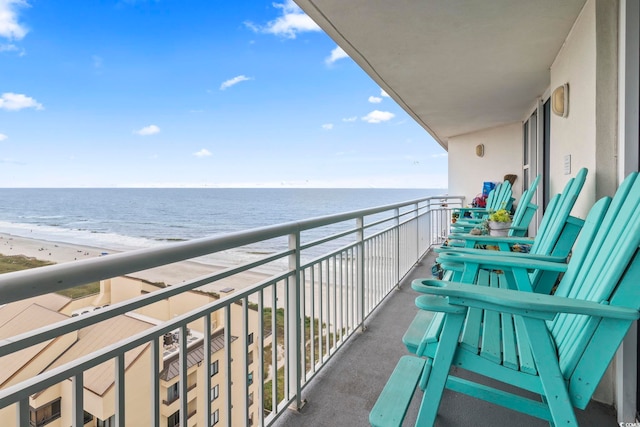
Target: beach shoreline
61, 252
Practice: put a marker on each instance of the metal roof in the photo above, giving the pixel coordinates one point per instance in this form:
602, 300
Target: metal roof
195, 355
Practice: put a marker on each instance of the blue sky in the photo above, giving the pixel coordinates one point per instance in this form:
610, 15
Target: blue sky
170, 93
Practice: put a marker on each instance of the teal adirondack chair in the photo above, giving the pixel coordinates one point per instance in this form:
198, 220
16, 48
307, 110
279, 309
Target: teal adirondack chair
473, 266
557, 346
557, 233
521, 217
556, 218
498, 198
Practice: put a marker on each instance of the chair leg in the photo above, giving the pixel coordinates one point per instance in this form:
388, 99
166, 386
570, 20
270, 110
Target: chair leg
553, 384
440, 369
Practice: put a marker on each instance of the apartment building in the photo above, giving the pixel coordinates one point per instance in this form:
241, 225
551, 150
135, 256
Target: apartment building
53, 406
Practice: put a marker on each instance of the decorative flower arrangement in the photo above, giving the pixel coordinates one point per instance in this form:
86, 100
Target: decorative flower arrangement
501, 215
499, 223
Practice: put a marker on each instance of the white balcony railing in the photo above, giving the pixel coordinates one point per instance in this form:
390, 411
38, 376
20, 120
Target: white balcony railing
303, 314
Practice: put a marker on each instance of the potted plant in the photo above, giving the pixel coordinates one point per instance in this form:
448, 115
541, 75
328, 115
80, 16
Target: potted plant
499, 223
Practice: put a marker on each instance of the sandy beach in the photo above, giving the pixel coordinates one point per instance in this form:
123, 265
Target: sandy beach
59, 252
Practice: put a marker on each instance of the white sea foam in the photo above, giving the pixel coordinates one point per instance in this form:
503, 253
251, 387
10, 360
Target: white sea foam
112, 241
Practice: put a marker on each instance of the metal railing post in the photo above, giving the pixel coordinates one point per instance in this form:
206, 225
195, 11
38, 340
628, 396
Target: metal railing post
77, 404
416, 221
396, 226
119, 391
430, 224
294, 321
360, 271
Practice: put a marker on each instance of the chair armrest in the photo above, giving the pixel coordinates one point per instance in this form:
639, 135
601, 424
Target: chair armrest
501, 262
488, 240
491, 253
519, 303
470, 209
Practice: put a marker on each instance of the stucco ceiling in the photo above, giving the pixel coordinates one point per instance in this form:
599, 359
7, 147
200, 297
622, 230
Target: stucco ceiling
456, 66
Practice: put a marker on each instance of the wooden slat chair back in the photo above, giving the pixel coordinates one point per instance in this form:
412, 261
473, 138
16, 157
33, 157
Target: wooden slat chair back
558, 346
522, 216
553, 225
552, 221
598, 278
498, 198
556, 223
525, 211
556, 236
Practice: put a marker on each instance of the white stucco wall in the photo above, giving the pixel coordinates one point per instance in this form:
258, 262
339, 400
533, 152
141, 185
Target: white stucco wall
503, 155
575, 135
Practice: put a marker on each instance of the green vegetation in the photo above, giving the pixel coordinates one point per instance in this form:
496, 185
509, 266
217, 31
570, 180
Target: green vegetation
11, 263
268, 394
501, 215
280, 329
81, 291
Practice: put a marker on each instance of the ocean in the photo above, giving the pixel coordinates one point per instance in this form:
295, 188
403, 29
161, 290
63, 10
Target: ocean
132, 218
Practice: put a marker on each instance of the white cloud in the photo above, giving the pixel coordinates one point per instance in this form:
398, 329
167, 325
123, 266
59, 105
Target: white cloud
384, 94
147, 130
336, 54
292, 22
97, 61
375, 99
10, 28
350, 119
17, 101
234, 81
202, 153
3, 137
8, 47
327, 126
377, 116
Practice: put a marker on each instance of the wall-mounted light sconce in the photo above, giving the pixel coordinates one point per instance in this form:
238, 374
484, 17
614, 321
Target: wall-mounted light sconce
480, 150
560, 100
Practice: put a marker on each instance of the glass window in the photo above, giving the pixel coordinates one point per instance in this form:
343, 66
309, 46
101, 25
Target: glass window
214, 368
173, 420
250, 339
250, 378
173, 392
215, 392
215, 417
109, 422
87, 417
45, 414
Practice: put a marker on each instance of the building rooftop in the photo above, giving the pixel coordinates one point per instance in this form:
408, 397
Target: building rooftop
20, 319
195, 355
92, 338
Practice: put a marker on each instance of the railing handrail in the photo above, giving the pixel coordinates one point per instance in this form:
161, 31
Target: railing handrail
19, 285
358, 276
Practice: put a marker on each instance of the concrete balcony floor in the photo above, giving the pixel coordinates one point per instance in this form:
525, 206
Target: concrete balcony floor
346, 390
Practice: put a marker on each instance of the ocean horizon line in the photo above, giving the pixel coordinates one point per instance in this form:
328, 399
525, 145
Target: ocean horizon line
220, 188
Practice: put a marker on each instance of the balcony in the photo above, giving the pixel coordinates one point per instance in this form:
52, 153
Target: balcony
290, 324
352, 382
